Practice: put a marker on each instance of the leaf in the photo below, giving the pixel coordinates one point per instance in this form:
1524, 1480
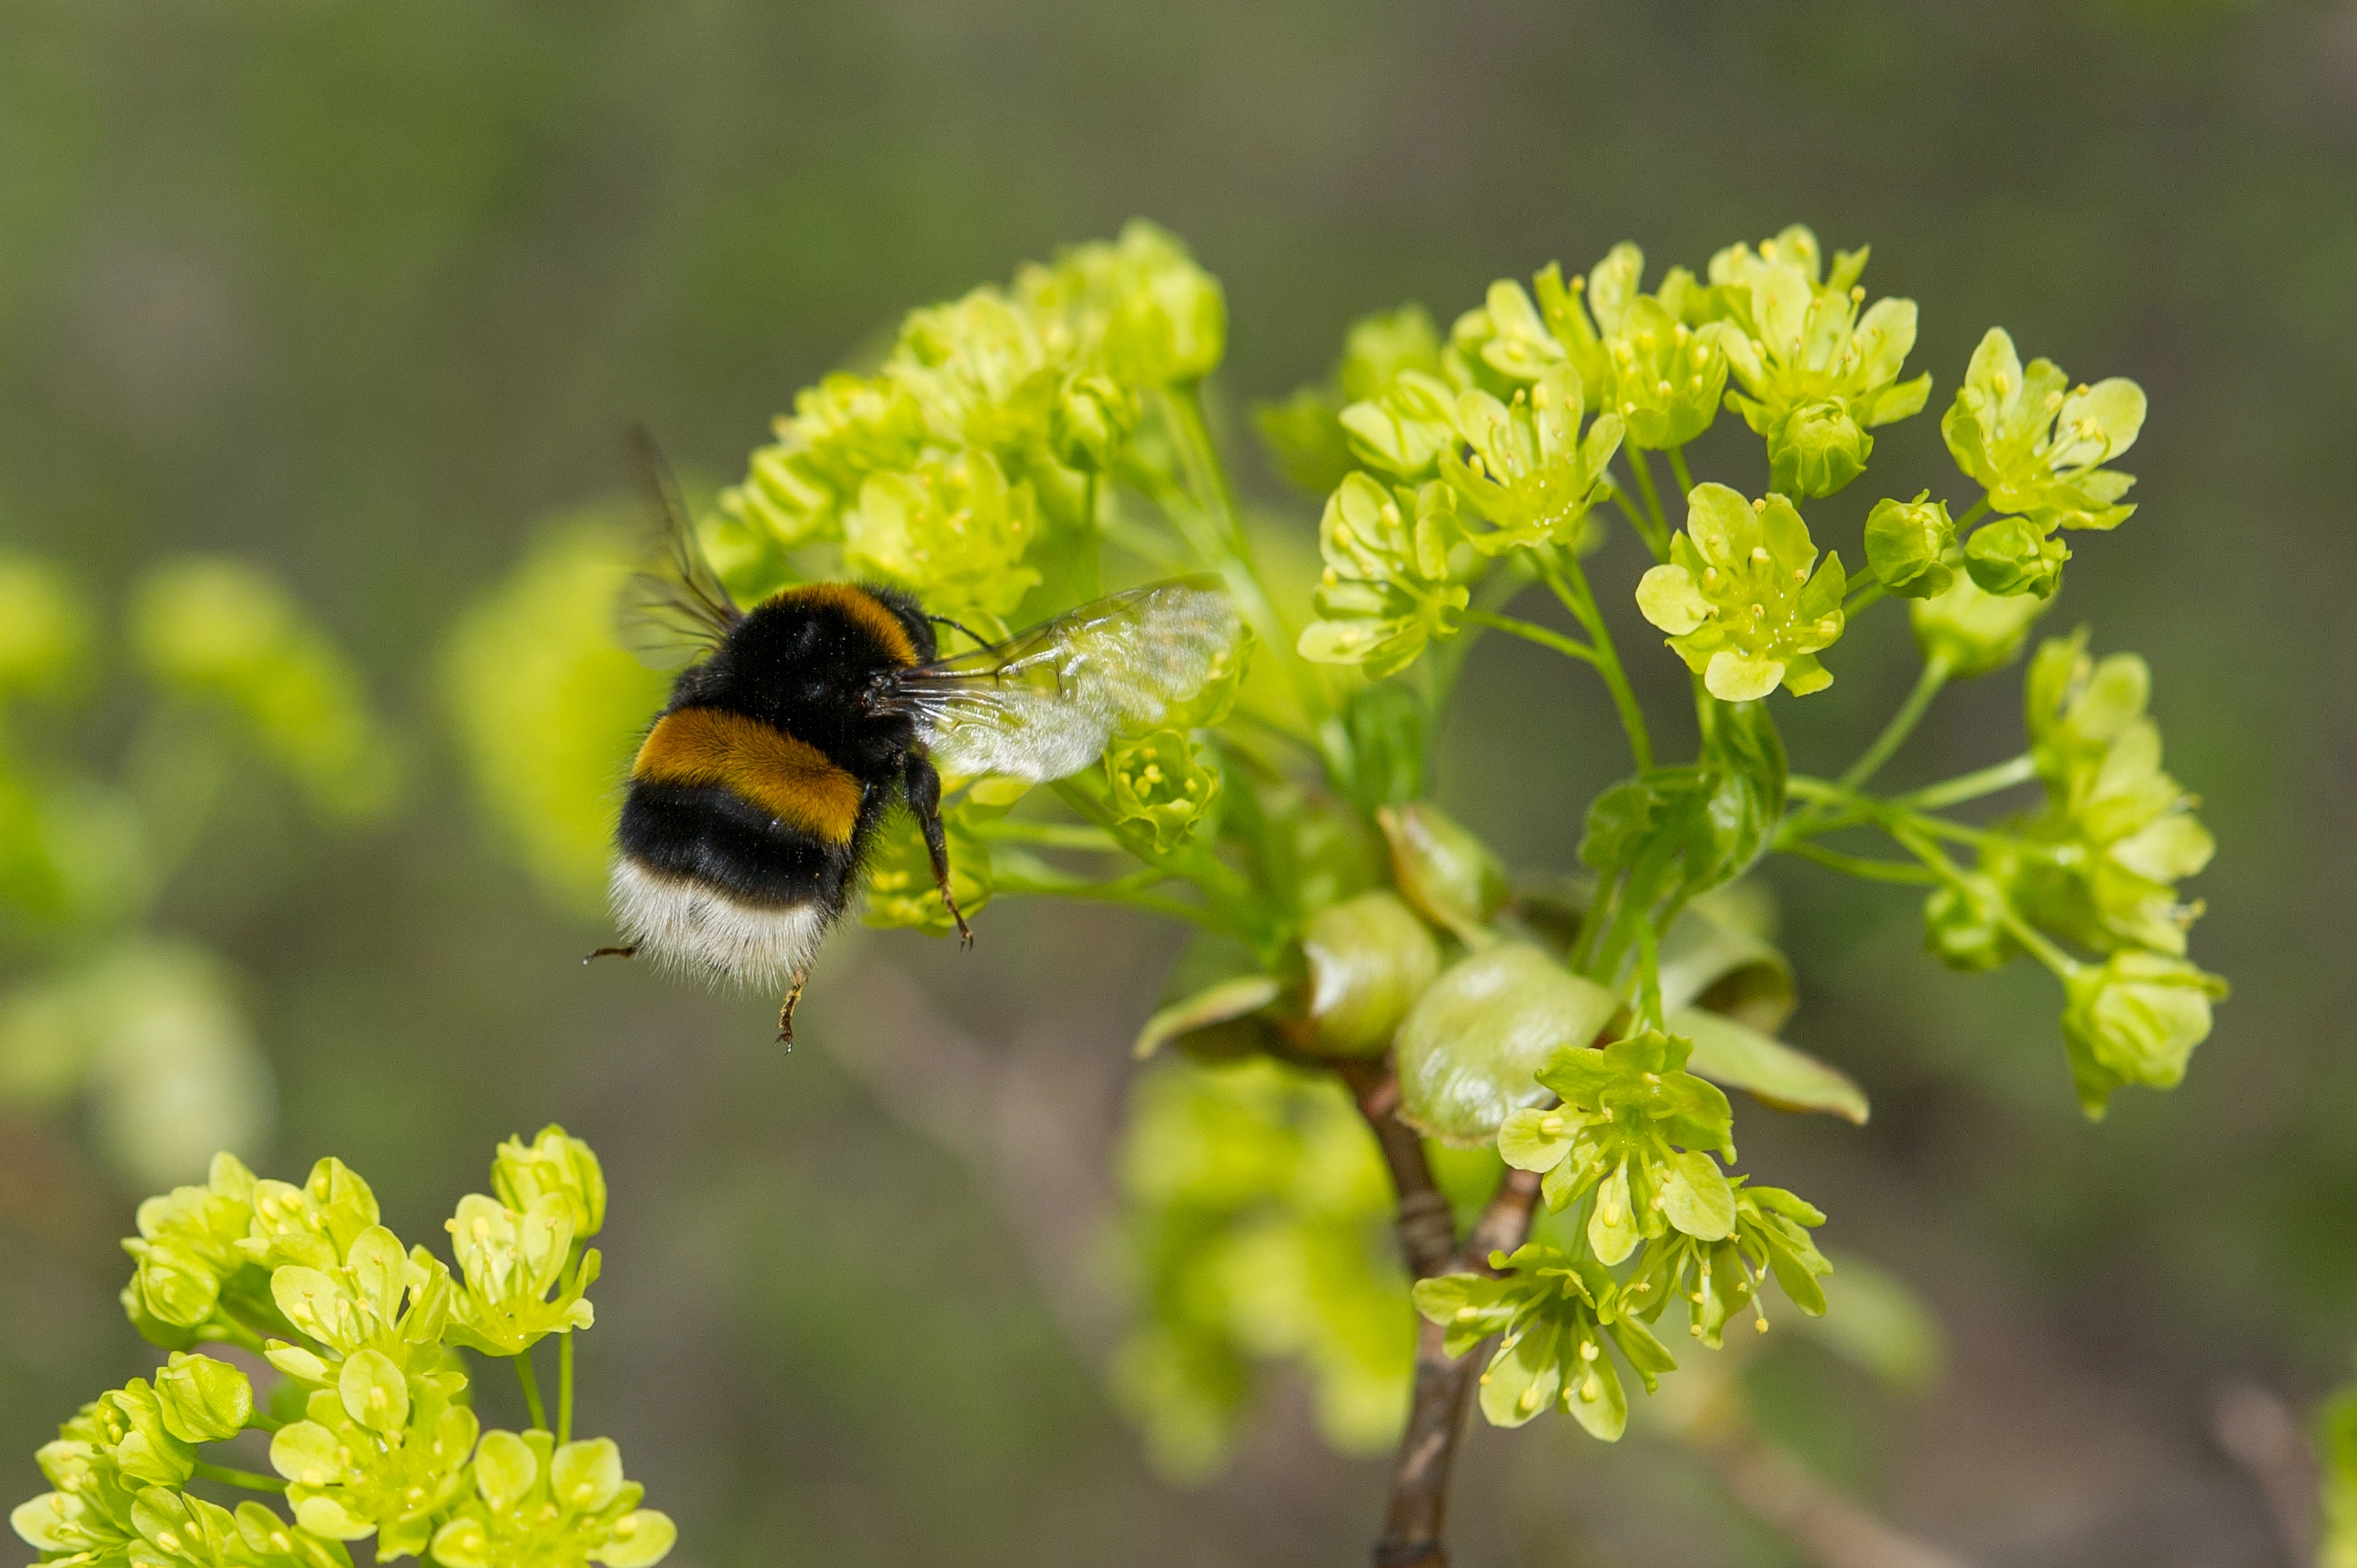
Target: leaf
1710, 963
1741, 1057
1469, 1047
1220, 1004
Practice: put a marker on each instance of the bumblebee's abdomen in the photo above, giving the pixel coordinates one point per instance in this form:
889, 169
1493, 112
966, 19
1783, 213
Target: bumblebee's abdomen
707, 753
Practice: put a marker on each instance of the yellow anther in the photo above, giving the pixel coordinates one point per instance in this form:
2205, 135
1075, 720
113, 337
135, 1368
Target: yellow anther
1550, 1125
1856, 293
1760, 555
1587, 1351
1663, 389
1800, 574
1760, 505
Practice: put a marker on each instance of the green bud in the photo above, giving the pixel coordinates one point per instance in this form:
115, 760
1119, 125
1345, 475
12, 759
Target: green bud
2014, 555
128, 1425
1368, 959
45, 627
2135, 1018
1973, 631
1091, 418
1442, 870
203, 1401
1468, 1049
1379, 347
554, 1162
1165, 786
1817, 450
1738, 599
315, 1224
189, 1245
1905, 542
1963, 931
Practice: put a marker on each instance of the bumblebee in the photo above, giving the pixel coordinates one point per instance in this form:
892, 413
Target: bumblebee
800, 725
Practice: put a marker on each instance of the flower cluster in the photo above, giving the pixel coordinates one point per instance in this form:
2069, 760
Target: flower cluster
1556, 1313
975, 448
374, 1434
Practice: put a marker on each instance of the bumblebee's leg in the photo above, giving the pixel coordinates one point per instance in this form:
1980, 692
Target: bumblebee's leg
786, 1012
924, 787
630, 951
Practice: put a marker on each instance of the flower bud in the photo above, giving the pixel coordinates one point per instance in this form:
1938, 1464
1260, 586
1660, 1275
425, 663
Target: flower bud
1817, 450
1090, 419
1963, 933
1973, 630
2014, 555
1469, 1047
129, 1424
953, 528
552, 1162
1446, 874
1904, 543
202, 1399
1368, 959
2135, 1019
1164, 786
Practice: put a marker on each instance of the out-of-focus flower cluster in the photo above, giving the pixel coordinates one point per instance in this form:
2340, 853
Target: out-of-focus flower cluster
370, 1421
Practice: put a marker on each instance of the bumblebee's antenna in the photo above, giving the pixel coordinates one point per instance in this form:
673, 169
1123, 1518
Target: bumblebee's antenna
978, 641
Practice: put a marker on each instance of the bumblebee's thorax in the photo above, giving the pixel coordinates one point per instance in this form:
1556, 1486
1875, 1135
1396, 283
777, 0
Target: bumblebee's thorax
804, 662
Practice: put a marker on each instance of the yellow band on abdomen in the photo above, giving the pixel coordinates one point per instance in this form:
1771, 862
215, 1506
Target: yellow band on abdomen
793, 782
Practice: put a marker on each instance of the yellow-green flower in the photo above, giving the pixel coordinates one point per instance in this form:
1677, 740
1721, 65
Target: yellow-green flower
901, 893
2038, 444
1164, 785
512, 1259
379, 1454
952, 529
2135, 1018
1816, 376
1529, 473
536, 1503
1390, 584
522, 1174
1738, 599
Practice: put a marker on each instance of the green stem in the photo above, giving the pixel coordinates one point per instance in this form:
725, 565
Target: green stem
2033, 941
564, 1389
1569, 584
251, 1480
1649, 974
1114, 892
1970, 786
523, 1359
1861, 599
1979, 508
1638, 520
1052, 835
259, 1420
1446, 659
1678, 468
1862, 865
1902, 724
1206, 478
1531, 633
1644, 471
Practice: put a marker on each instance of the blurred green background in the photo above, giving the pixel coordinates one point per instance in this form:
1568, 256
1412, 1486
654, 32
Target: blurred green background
365, 295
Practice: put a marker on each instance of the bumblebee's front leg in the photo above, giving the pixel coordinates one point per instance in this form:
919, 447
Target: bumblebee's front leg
924, 790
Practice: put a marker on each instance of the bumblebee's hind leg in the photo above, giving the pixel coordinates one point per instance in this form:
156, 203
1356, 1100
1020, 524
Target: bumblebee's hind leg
924, 790
630, 951
786, 1012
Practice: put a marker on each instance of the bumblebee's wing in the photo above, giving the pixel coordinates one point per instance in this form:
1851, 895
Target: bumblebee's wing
1041, 704
674, 610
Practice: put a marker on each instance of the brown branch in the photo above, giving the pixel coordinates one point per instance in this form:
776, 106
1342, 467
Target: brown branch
2262, 1433
1418, 1503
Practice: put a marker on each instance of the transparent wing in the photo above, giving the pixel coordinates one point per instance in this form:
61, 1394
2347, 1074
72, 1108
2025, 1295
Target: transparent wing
1042, 703
674, 611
